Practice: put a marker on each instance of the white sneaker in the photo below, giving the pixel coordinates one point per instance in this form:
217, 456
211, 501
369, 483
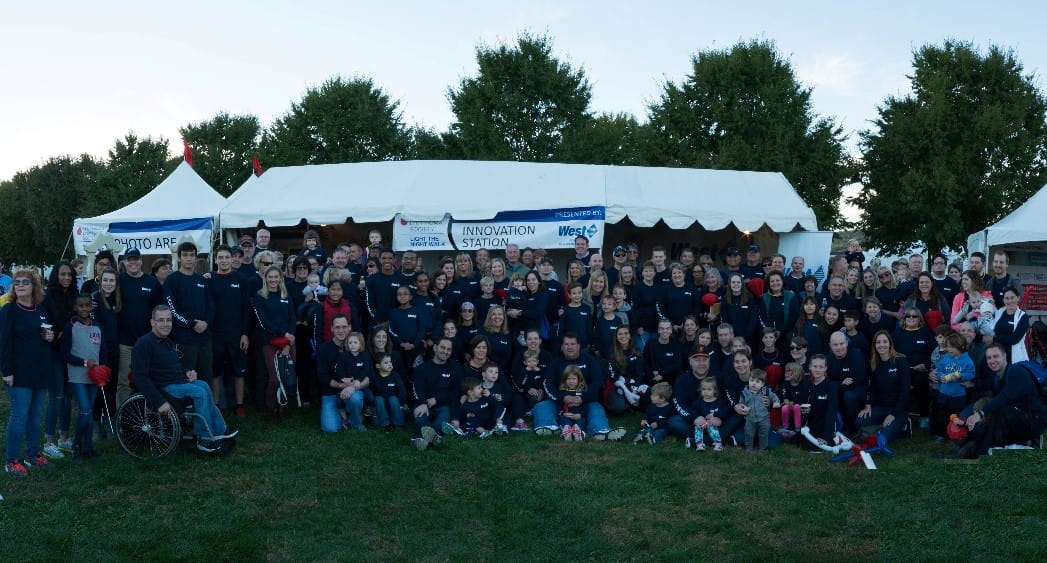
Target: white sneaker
52, 451
66, 444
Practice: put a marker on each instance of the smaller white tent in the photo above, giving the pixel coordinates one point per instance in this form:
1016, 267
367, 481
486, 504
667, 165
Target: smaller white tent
1025, 226
183, 204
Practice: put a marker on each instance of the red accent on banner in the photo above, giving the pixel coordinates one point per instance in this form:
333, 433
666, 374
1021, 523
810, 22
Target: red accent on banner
257, 165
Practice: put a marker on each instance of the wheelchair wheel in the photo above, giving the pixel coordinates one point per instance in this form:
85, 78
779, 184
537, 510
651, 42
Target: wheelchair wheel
145, 433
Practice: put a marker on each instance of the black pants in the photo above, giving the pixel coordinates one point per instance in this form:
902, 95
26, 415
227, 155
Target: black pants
1008, 425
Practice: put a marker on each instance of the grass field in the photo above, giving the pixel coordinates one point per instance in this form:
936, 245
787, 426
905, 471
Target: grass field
290, 493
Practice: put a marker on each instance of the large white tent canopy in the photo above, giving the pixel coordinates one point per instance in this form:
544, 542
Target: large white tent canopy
182, 203
426, 190
1024, 226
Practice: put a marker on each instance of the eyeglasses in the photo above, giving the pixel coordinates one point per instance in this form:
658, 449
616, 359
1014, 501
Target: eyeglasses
619, 254
884, 275
795, 347
912, 316
267, 263
22, 281
468, 310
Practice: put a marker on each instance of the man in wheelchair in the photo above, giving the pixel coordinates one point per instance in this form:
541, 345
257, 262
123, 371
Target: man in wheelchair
156, 363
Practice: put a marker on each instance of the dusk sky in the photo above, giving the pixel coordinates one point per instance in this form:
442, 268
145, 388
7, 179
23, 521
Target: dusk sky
77, 76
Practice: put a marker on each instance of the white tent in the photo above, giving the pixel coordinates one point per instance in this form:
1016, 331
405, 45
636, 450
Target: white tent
1024, 227
183, 204
427, 190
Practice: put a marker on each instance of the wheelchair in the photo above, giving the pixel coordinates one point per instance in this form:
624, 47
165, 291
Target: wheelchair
146, 434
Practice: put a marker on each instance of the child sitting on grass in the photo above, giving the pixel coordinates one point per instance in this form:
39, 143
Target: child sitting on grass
528, 384
479, 415
711, 409
572, 384
655, 423
794, 392
758, 419
495, 388
390, 395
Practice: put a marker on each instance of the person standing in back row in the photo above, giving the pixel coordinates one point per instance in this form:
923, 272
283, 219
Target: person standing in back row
188, 295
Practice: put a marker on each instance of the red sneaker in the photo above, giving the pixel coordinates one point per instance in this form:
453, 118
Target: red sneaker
38, 461
17, 469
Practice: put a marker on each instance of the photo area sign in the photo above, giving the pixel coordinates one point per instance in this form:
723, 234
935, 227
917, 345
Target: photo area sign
545, 228
149, 237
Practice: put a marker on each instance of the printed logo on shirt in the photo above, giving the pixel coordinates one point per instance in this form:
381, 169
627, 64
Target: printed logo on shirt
822, 397
200, 285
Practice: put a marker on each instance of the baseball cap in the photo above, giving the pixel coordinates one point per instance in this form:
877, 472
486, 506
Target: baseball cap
733, 251
132, 253
247, 238
700, 352
754, 247
618, 249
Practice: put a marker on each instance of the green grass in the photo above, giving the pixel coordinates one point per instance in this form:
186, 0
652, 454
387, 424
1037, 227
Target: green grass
290, 493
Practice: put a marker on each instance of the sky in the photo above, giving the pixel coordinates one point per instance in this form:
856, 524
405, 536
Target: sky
77, 76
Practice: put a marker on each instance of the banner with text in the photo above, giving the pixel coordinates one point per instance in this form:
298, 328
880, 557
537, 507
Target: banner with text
150, 237
545, 228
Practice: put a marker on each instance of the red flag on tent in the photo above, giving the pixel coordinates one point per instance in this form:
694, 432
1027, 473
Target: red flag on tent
187, 152
257, 165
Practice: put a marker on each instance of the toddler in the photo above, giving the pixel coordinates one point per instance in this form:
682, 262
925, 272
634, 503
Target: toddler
794, 393
655, 423
758, 421
711, 409
572, 384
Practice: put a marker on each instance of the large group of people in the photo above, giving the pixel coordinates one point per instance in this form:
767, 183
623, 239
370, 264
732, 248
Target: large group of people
745, 351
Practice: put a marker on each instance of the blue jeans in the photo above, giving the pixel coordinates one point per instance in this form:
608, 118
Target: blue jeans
595, 417
436, 418
84, 394
24, 421
386, 410
331, 419
876, 416
58, 405
203, 401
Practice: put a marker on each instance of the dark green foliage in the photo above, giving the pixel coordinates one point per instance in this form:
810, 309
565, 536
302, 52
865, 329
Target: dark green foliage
39, 206
223, 147
968, 146
606, 139
743, 108
521, 105
341, 121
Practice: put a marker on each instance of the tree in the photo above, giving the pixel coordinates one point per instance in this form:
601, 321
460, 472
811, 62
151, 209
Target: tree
520, 105
743, 108
223, 148
39, 207
134, 167
606, 139
341, 121
964, 149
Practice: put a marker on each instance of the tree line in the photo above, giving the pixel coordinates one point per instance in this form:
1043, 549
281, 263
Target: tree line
967, 146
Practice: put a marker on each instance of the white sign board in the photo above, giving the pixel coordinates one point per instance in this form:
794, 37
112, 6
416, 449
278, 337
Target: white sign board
546, 228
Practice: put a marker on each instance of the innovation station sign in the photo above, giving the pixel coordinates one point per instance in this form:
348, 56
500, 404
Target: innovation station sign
543, 228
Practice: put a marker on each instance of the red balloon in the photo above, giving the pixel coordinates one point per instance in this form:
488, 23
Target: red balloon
99, 375
933, 319
756, 286
279, 342
710, 299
